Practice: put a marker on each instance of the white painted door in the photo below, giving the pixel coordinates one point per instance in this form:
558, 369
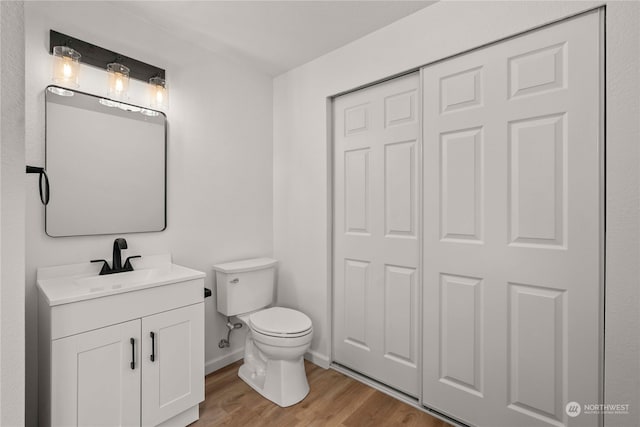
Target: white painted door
513, 229
376, 232
172, 363
96, 377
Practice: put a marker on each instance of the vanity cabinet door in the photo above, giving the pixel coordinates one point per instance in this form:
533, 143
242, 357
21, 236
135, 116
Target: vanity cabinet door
172, 363
96, 377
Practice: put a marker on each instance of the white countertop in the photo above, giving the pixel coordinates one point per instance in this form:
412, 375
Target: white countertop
77, 282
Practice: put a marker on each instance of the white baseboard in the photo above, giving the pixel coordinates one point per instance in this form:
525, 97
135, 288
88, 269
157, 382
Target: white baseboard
222, 361
318, 359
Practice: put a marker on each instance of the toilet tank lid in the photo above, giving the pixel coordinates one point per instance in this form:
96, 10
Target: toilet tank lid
245, 265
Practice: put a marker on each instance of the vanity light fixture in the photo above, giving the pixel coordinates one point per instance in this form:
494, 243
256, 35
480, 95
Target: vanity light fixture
119, 68
66, 66
118, 80
158, 93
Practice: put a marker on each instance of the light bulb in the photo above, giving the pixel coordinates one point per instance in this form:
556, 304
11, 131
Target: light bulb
66, 70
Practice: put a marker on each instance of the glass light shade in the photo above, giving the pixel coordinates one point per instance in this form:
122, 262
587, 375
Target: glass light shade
118, 80
66, 66
158, 93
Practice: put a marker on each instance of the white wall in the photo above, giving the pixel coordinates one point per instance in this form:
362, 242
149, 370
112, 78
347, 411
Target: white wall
12, 195
219, 157
301, 167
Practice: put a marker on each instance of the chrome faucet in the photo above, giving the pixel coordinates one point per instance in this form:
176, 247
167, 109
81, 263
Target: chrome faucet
116, 265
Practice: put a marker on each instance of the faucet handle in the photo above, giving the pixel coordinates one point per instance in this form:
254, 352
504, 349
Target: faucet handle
105, 267
127, 263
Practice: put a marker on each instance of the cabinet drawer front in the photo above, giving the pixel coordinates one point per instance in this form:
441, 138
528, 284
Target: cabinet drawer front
172, 363
99, 312
93, 378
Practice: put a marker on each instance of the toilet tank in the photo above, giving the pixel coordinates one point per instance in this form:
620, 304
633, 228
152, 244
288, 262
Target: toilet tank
244, 286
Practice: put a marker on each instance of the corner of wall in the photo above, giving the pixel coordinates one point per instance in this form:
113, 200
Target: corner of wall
318, 358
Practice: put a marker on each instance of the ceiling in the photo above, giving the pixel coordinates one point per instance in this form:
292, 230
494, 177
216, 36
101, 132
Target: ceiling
272, 36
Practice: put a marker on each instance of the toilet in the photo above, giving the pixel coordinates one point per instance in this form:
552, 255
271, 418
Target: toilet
278, 337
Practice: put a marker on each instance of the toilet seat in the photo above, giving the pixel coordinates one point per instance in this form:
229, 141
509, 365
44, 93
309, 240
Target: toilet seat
280, 322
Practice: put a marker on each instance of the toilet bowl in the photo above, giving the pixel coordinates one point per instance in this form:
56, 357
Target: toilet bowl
273, 358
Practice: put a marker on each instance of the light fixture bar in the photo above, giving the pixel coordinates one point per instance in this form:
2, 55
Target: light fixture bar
100, 57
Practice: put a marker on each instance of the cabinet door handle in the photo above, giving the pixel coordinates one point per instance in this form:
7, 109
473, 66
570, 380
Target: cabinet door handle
133, 353
153, 346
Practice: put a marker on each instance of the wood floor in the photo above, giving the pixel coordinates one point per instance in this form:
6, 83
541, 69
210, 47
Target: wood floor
334, 400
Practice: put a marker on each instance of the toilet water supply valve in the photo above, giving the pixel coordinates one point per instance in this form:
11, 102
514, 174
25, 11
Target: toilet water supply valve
225, 342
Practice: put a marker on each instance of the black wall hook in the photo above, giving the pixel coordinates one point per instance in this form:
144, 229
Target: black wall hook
44, 195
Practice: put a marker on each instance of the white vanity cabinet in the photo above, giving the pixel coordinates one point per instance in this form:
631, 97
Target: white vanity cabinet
122, 351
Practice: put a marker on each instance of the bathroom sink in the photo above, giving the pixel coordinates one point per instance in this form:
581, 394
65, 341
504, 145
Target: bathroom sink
116, 281
77, 282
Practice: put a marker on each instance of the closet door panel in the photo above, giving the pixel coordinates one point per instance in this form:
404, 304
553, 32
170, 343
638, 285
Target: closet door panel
376, 232
513, 229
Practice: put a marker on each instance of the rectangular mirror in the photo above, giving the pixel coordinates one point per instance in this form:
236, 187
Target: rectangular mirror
106, 162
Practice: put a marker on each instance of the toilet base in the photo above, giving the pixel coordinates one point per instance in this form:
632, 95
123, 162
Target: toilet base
284, 382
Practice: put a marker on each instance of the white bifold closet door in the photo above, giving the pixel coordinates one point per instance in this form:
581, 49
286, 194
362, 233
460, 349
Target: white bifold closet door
376, 233
513, 229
